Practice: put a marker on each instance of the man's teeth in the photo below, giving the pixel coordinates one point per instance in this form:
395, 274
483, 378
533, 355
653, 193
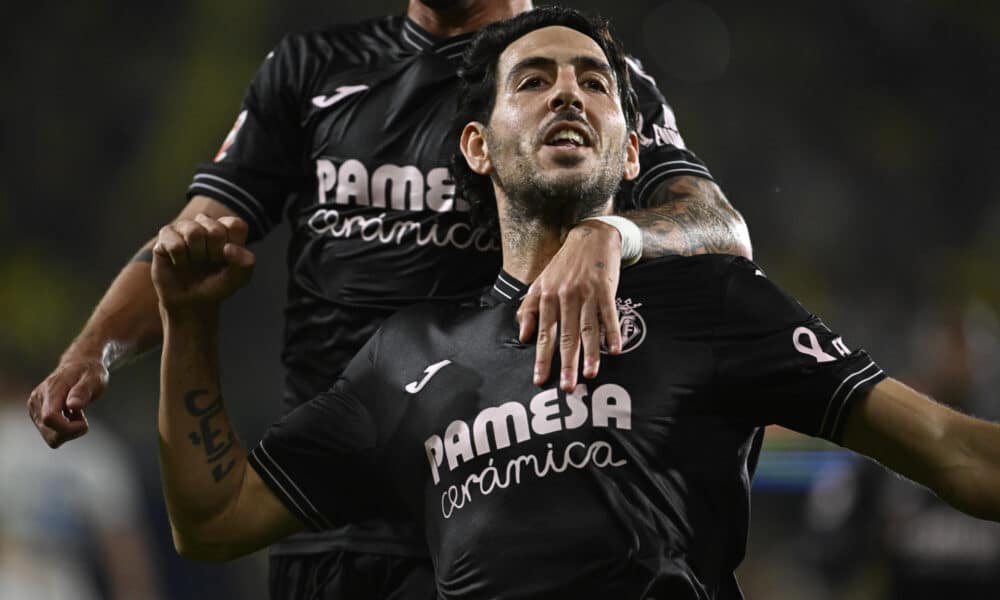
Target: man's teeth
567, 135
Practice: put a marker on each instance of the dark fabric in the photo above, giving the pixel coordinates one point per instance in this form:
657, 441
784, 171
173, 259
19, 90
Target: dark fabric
345, 575
635, 485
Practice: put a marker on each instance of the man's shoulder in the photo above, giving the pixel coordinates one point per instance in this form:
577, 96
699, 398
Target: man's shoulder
671, 271
378, 33
689, 294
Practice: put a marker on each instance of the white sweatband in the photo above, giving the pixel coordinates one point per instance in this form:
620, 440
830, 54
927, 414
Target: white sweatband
631, 237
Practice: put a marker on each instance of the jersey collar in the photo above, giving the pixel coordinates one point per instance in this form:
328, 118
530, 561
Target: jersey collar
418, 39
507, 289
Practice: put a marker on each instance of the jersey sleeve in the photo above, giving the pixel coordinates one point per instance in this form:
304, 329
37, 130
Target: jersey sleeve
662, 152
260, 162
779, 364
321, 459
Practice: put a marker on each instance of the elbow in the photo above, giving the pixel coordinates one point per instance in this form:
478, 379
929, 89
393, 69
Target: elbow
197, 546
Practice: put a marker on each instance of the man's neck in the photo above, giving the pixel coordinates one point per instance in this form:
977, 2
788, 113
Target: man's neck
527, 248
465, 16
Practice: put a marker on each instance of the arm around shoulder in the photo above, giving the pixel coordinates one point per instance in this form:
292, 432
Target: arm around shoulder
690, 215
953, 454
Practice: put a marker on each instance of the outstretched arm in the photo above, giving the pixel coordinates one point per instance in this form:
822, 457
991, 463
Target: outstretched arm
688, 215
955, 455
124, 324
219, 509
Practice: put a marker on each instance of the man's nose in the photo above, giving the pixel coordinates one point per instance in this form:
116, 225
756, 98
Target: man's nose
566, 93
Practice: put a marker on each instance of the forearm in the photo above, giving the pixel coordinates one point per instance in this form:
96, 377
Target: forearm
126, 321
690, 215
955, 455
201, 459
972, 482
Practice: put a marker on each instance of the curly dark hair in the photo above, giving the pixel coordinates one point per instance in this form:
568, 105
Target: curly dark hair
477, 89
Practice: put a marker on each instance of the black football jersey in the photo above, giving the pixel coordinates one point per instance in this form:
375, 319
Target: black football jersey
344, 133
635, 485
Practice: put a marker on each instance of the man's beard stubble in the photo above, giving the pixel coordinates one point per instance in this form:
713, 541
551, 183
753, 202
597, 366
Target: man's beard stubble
554, 202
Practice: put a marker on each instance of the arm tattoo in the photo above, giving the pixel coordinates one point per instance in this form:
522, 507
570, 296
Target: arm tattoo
215, 442
687, 216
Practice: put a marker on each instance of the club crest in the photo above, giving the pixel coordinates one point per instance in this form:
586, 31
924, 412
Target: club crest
631, 323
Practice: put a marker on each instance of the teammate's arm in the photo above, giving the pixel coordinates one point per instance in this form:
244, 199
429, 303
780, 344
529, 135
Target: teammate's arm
687, 215
955, 455
124, 324
219, 509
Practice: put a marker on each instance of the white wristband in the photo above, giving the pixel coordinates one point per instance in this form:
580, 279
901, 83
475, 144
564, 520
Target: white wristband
631, 237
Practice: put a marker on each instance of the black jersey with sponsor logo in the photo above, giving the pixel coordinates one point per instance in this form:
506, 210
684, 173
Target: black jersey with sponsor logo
636, 485
345, 134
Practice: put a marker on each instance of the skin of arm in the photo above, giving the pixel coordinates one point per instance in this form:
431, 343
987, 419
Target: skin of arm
687, 215
956, 456
219, 508
124, 324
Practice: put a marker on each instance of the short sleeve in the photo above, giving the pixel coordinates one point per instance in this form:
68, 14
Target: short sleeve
662, 152
321, 459
779, 364
260, 162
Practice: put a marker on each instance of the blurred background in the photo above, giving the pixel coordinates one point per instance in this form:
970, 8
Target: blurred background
857, 138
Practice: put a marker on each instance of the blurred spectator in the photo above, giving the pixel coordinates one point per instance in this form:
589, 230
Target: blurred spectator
71, 525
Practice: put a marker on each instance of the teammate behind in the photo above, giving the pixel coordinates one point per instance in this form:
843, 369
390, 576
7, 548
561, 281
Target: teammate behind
635, 484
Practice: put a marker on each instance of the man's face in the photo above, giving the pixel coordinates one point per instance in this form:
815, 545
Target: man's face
557, 133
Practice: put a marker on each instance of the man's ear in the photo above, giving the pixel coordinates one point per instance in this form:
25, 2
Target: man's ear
631, 157
474, 149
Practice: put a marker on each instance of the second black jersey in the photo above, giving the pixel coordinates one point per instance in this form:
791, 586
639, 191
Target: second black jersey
636, 485
345, 133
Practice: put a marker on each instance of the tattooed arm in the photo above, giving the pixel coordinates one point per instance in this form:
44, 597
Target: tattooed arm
689, 215
219, 509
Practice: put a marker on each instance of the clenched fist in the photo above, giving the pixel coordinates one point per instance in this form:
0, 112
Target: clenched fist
198, 263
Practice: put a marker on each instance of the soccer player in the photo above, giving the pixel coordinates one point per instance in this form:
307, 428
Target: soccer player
344, 133
634, 484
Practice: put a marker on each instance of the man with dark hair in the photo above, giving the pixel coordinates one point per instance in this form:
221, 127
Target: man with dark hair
344, 133
632, 485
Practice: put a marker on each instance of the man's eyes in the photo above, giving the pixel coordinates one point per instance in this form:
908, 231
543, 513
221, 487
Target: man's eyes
531, 82
595, 84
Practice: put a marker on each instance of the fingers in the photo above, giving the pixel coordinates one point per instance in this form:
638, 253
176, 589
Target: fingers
569, 339
590, 334
527, 315
48, 406
199, 242
608, 317
216, 236
237, 229
548, 316
170, 245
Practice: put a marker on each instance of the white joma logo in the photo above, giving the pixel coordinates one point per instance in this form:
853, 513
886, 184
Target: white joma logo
338, 95
415, 386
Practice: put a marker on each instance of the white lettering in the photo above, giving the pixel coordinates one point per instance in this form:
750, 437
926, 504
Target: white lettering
611, 401
353, 184
434, 448
392, 182
441, 192
457, 444
577, 409
497, 418
326, 177
544, 408
600, 454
